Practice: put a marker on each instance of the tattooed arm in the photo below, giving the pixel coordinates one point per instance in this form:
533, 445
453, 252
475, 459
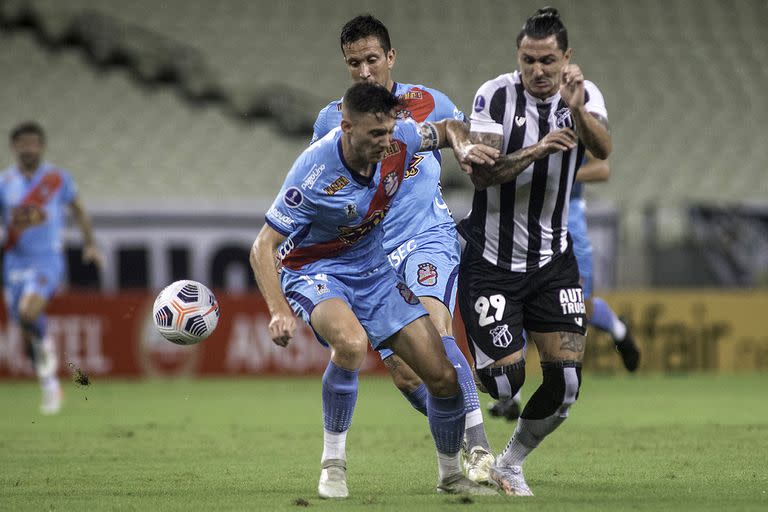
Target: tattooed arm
591, 127
508, 167
455, 134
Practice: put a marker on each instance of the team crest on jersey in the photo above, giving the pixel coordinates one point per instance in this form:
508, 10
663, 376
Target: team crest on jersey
501, 337
519, 120
407, 294
479, 104
391, 184
338, 184
427, 274
413, 169
293, 198
563, 118
351, 210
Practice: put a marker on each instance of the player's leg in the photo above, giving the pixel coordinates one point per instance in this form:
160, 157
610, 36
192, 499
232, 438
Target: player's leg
420, 346
334, 322
555, 320
605, 319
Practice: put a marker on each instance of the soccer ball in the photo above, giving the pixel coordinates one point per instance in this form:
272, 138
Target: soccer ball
186, 312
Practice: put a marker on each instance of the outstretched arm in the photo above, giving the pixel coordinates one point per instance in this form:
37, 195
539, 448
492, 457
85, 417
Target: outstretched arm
91, 252
455, 134
508, 167
282, 323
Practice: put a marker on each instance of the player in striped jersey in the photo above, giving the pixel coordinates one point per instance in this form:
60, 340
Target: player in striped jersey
419, 232
326, 226
518, 271
34, 198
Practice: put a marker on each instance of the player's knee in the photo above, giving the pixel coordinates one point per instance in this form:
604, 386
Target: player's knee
444, 381
350, 351
562, 381
503, 382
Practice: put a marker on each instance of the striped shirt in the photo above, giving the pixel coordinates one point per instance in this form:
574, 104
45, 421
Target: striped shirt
522, 225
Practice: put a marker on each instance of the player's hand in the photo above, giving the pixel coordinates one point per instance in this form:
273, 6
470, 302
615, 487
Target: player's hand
558, 140
92, 254
282, 326
572, 86
475, 154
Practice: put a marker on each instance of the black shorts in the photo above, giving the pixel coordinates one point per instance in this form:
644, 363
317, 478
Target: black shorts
497, 304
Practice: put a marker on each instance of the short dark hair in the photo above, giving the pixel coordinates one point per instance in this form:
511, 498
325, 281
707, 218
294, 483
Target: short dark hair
364, 26
370, 98
544, 23
27, 127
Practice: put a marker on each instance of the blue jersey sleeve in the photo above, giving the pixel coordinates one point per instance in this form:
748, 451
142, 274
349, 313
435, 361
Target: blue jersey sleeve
444, 108
68, 187
408, 132
294, 206
322, 124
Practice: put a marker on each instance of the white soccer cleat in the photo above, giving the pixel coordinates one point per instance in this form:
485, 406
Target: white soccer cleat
459, 484
477, 464
510, 480
52, 399
333, 479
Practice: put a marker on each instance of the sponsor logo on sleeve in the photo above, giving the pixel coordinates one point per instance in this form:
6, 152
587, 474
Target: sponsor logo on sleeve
311, 178
338, 184
293, 198
479, 103
280, 217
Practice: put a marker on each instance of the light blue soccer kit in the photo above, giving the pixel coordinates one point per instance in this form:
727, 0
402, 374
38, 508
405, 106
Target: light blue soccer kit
332, 217
577, 228
34, 214
419, 233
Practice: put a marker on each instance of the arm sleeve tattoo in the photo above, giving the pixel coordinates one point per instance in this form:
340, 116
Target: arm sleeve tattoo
429, 137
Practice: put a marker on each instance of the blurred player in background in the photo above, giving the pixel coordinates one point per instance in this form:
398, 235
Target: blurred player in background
518, 270
419, 232
34, 197
599, 313
325, 225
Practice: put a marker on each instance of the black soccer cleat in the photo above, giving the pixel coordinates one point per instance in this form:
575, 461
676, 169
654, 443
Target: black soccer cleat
627, 349
509, 409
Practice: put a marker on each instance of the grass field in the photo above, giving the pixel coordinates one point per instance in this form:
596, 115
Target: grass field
647, 443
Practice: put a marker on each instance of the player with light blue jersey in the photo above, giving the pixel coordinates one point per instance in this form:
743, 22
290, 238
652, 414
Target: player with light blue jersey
325, 228
34, 198
419, 233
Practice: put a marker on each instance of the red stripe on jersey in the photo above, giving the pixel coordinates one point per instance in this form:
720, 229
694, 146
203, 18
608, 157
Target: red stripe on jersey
418, 103
391, 172
32, 205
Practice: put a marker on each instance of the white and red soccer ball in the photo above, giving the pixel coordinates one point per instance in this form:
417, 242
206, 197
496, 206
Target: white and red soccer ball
186, 312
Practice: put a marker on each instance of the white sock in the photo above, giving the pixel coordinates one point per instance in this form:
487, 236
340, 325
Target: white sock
447, 465
514, 454
618, 329
518, 396
334, 445
473, 419
50, 384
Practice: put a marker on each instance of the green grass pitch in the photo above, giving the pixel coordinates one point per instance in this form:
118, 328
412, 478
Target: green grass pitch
632, 443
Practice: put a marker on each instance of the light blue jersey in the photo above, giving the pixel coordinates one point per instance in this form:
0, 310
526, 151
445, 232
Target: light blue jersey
34, 215
332, 217
577, 229
420, 206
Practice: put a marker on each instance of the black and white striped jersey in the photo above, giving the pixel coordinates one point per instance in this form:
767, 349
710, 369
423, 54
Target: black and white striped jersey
521, 225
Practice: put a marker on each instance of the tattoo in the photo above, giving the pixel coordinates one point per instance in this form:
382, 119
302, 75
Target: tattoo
602, 120
572, 342
392, 362
489, 139
429, 137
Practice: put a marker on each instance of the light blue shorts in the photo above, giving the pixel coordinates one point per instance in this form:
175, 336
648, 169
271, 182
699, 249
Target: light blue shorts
582, 247
39, 275
381, 302
429, 264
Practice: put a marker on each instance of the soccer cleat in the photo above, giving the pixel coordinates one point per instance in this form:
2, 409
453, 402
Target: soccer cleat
510, 480
477, 463
627, 349
459, 484
52, 399
333, 479
508, 408
45, 359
